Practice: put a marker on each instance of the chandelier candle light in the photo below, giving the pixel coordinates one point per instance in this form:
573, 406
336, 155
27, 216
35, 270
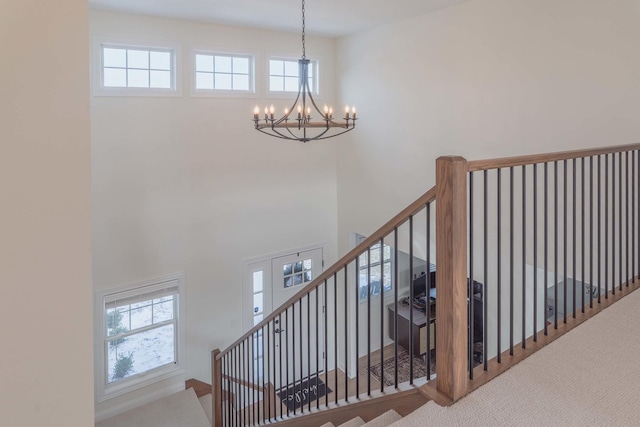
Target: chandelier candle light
299, 126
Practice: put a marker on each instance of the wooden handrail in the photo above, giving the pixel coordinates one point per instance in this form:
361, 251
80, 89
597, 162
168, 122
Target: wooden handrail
374, 238
505, 162
244, 383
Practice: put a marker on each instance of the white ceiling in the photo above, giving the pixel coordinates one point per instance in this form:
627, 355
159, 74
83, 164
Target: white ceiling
324, 17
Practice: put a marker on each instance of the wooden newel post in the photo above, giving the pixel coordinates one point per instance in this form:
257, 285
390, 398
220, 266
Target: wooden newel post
451, 276
216, 388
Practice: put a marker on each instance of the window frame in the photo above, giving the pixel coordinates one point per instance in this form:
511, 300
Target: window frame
99, 89
106, 390
364, 266
224, 93
315, 64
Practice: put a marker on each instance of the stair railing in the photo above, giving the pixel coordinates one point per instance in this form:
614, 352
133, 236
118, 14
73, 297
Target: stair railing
336, 340
553, 225
552, 239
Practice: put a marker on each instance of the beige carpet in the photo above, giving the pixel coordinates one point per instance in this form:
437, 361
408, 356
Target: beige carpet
589, 377
180, 409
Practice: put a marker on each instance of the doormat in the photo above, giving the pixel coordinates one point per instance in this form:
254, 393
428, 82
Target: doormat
299, 394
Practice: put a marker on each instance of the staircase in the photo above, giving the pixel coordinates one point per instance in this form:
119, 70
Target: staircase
524, 249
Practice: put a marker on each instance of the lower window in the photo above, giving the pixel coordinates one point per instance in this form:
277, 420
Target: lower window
140, 334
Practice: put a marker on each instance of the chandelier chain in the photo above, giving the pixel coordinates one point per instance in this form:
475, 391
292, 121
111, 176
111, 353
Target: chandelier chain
304, 53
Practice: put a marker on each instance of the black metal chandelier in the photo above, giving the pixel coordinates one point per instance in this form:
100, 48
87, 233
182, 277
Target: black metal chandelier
297, 123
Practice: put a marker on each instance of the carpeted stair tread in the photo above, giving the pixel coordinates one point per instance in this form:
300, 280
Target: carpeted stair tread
384, 420
329, 424
180, 409
354, 422
207, 404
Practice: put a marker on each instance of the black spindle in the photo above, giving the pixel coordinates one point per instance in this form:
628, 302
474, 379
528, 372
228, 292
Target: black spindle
470, 282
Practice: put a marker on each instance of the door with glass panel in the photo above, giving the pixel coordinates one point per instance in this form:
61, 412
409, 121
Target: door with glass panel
292, 346
297, 333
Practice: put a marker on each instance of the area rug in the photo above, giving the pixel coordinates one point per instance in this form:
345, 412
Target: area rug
299, 394
419, 368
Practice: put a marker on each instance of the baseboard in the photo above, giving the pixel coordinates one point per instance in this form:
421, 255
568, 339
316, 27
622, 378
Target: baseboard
135, 403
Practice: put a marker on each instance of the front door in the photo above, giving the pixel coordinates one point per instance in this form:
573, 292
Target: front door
298, 333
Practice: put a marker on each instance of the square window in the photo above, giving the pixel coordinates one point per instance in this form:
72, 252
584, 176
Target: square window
115, 77
160, 79
160, 61
204, 63
204, 81
137, 78
222, 81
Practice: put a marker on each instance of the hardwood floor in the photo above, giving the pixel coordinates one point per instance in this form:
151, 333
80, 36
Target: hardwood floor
269, 405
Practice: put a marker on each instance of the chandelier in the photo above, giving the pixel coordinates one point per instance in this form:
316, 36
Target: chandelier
298, 122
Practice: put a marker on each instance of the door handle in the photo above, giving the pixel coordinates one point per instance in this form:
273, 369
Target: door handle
278, 330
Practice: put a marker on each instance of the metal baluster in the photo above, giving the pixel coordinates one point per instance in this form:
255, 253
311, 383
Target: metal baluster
511, 252
626, 214
428, 290
357, 329
381, 313
535, 252
573, 211
293, 353
411, 297
309, 346
243, 388
396, 267
318, 343
599, 247
369, 321
280, 358
335, 334
546, 243
346, 335
633, 219
591, 232
325, 353
301, 349
470, 281
583, 234
555, 244
485, 305
267, 372
613, 224
498, 258
606, 226
524, 257
620, 256
564, 243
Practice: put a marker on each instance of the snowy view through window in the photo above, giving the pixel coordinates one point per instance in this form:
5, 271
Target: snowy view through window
140, 337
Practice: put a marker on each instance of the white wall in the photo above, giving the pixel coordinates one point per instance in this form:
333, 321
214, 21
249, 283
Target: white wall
45, 248
186, 184
484, 79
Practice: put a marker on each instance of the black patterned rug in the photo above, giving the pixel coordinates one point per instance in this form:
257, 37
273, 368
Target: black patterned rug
296, 395
404, 365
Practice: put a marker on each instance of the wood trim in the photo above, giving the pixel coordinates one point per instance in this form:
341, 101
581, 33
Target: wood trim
403, 402
200, 387
374, 238
243, 383
479, 165
451, 277
216, 381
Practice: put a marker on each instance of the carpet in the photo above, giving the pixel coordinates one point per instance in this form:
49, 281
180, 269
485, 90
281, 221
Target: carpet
588, 377
299, 394
404, 364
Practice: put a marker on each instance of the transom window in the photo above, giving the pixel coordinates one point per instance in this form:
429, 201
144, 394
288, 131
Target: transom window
297, 273
380, 269
135, 67
224, 72
284, 75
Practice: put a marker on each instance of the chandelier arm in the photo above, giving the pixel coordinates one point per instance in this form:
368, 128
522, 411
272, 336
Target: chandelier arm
286, 116
275, 136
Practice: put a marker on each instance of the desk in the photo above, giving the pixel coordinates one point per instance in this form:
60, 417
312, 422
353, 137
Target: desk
419, 328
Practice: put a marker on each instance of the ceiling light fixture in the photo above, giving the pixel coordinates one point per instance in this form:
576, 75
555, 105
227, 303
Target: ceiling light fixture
297, 123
